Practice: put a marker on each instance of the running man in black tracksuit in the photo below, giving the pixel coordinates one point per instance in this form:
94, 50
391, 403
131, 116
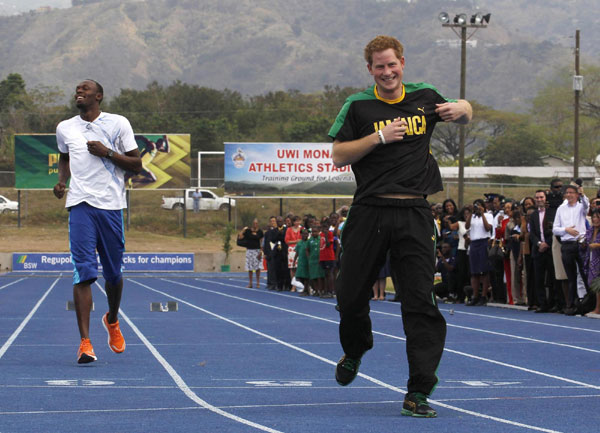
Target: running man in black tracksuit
384, 133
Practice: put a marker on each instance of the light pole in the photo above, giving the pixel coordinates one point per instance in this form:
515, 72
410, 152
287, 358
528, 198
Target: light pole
577, 88
460, 21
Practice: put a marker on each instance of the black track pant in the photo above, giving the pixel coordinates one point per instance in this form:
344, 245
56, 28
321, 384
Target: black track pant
544, 277
572, 262
405, 227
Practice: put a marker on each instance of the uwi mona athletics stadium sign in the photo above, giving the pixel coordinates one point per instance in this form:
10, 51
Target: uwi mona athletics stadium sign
285, 169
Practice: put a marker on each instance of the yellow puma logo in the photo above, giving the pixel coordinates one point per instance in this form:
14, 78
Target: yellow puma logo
422, 110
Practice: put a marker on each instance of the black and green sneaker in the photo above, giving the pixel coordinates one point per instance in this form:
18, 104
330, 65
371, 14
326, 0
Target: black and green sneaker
415, 404
346, 370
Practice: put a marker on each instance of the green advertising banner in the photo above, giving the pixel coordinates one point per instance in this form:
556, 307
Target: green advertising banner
166, 161
36, 161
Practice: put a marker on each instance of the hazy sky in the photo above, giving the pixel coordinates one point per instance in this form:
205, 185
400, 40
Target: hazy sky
26, 5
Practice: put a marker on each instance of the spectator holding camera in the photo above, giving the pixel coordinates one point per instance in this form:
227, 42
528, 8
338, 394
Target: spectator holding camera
480, 226
594, 204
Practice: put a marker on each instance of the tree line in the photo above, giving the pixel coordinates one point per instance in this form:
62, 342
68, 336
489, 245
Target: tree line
494, 137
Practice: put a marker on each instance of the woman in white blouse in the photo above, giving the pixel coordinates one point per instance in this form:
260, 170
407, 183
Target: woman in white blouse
480, 226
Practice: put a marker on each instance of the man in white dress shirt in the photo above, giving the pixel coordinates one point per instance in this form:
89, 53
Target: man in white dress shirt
569, 226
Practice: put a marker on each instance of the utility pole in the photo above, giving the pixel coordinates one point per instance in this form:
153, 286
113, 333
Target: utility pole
462, 128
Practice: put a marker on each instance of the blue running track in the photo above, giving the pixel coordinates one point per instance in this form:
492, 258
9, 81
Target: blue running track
234, 359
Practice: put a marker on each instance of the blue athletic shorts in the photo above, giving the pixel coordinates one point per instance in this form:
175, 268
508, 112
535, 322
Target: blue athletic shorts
92, 229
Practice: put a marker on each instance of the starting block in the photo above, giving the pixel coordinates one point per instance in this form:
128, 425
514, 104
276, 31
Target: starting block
71, 306
167, 306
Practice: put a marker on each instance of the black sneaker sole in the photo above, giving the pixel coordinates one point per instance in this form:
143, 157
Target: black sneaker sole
341, 383
351, 375
406, 412
85, 359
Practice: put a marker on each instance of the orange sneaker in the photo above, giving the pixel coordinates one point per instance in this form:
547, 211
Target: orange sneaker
85, 353
116, 342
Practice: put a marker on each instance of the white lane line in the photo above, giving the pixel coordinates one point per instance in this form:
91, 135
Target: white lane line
518, 337
10, 284
355, 387
533, 322
456, 352
15, 334
265, 406
146, 409
181, 383
451, 325
528, 398
384, 313
333, 363
246, 406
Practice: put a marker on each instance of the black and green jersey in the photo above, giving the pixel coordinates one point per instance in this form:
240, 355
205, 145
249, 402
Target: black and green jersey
405, 166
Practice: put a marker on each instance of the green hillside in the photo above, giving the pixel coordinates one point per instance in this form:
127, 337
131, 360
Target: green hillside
254, 46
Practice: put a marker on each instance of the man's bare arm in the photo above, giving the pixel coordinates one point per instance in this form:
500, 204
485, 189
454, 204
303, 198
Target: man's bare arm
64, 173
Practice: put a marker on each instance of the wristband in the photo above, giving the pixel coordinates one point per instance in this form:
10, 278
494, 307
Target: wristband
381, 137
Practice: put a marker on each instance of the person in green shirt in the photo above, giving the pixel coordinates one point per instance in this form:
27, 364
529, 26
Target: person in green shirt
301, 262
315, 271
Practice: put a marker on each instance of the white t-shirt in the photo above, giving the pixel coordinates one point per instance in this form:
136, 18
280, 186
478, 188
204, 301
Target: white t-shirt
95, 180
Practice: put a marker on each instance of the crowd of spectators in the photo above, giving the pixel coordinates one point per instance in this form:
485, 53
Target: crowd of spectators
540, 252
299, 253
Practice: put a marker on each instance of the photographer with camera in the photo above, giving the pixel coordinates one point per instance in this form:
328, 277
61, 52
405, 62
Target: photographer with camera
570, 226
480, 226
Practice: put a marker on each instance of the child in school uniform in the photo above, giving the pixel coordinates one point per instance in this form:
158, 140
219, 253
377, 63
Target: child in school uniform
315, 271
301, 262
327, 258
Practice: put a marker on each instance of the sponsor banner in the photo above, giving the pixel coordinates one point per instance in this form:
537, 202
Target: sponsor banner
132, 262
166, 161
36, 161
285, 169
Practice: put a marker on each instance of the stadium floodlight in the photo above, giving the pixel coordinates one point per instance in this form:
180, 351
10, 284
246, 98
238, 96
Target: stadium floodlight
460, 19
476, 19
460, 25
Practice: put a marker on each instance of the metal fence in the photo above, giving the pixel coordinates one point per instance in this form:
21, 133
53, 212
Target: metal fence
7, 179
41, 208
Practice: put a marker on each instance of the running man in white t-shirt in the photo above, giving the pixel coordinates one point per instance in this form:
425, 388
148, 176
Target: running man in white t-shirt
96, 149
